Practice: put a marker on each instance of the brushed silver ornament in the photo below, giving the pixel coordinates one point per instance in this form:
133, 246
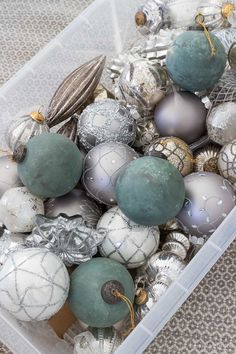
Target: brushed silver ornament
206, 159
8, 174
227, 161
75, 90
179, 237
70, 129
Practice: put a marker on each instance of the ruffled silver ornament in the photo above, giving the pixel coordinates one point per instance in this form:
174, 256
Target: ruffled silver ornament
146, 133
70, 238
179, 237
9, 242
206, 159
175, 248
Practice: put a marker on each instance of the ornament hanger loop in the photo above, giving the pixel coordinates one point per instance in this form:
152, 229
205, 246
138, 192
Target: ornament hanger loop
200, 20
118, 295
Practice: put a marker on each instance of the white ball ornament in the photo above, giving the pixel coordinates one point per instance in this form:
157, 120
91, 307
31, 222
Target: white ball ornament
18, 208
8, 174
34, 284
125, 241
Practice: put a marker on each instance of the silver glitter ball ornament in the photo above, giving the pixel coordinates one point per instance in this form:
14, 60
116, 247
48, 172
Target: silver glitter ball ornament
176, 151
227, 161
181, 114
8, 174
74, 203
221, 123
206, 159
102, 166
179, 237
209, 199
145, 135
106, 120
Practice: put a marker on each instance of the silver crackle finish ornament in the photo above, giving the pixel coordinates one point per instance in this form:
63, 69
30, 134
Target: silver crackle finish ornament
206, 159
10, 242
102, 166
106, 120
70, 129
209, 199
70, 238
8, 174
76, 202
225, 90
23, 128
221, 123
146, 133
176, 151
227, 161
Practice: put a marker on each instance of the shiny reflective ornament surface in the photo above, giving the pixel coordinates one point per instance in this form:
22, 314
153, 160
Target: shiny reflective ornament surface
22, 129
215, 13
179, 237
221, 123
209, 199
227, 161
146, 133
10, 242
18, 208
70, 129
206, 159
181, 114
102, 166
70, 238
125, 241
34, 284
227, 36
8, 174
74, 203
175, 150
103, 121
175, 248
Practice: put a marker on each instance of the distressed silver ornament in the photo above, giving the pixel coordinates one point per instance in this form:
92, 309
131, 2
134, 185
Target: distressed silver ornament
74, 203
106, 120
146, 133
102, 166
75, 90
176, 152
70, 129
206, 159
8, 174
70, 238
10, 242
225, 89
227, 161
179, 237
25, 127
209, 199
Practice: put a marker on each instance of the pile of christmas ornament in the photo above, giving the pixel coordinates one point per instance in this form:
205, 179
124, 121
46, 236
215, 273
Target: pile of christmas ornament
120, 188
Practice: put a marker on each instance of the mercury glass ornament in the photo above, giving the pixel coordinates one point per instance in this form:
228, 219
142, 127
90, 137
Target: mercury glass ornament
92, 298
8, 174
102, 166
74, 203
150, 191
145, 135
34, 284
70, 238
181, 114
221, 123
179, 237
24, 128
175, 150
10, 242
52, 165
104, 121
209, 199
18, 208
206, 159
227, 161
191, 64
125, 241
215, 13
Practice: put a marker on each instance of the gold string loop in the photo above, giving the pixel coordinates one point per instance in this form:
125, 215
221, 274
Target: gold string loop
117, 294
200, 21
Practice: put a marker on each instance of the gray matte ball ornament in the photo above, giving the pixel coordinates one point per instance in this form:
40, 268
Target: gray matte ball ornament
209, 199
181, 114
106, 120
102, 166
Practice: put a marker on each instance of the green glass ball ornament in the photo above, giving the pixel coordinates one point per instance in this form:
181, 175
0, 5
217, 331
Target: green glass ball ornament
150, 191
91, 296
50, 165
191, 63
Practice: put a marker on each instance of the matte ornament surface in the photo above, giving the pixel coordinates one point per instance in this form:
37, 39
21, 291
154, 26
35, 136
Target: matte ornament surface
125, 241
8, 174
190, 63
18, 208
74, 203
70, 238
221, 123
34, 284
227, 161
181, 114
209, 199
150, 191
103, 121
85, 298
102, 166
52, 166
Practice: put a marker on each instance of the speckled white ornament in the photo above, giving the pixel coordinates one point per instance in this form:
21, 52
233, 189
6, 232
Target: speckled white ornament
106, 120
18, 208
102, 166
209, 199
125, 241
34, 284
8, 174
227, 161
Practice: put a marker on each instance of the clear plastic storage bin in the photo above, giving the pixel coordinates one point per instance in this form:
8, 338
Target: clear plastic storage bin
106, 27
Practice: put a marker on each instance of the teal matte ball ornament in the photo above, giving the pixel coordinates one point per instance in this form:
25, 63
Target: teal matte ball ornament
150, 191
91, 296
191, 64
50, 165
